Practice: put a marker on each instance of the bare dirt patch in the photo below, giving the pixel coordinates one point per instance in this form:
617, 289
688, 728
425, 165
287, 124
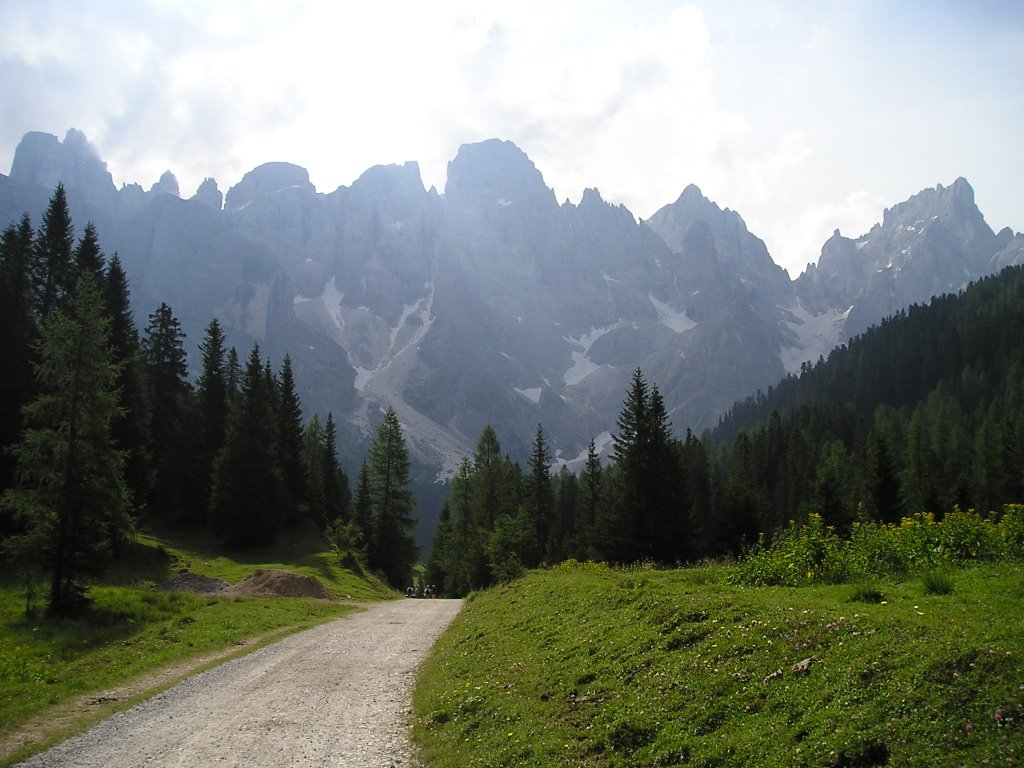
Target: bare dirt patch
273, 583
194, 582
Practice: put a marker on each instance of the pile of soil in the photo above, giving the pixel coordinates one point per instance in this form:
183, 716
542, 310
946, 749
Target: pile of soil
268, 583
194, 582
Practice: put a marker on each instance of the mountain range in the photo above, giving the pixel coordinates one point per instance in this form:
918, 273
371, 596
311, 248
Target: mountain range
491, 302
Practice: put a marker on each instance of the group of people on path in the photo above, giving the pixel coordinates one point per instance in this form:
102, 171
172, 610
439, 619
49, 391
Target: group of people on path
421, 591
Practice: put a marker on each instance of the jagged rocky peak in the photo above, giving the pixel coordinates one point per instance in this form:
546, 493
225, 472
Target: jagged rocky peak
673, 221
209, 194
496, 173
43, 160
266, 180
166, 185
741, 253
954, 201
388, 179
591, 198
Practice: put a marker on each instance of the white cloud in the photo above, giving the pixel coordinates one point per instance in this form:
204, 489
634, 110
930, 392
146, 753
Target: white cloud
777, 111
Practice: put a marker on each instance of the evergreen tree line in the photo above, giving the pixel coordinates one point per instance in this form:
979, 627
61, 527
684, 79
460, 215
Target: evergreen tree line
921, 414
102, 429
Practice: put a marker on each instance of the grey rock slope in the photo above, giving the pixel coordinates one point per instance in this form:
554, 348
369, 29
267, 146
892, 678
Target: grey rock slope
490, 303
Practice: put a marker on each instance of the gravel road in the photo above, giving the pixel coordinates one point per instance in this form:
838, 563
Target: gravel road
337, 695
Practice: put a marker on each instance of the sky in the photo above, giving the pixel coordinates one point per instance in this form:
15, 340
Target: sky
803, 116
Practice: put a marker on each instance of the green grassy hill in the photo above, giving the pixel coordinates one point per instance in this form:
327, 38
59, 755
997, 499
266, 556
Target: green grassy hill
133, 630
586, 665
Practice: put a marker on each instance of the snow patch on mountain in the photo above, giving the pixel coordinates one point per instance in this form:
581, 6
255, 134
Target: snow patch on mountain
817, 335
601, 444
582, 365
532, 394
676, 321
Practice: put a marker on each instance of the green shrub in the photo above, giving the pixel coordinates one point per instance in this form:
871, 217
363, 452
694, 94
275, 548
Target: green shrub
878, 550
1011, 532
802, 554
814, 553
966, 536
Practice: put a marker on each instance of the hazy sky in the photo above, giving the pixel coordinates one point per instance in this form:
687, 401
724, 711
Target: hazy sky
802, 116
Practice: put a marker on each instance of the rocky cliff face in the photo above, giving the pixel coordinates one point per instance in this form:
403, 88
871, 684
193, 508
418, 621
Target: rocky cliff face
493, 304
936, 242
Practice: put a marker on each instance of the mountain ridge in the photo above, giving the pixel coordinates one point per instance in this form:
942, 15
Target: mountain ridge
490, 302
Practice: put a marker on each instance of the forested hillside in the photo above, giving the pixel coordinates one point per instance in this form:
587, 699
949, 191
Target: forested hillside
920, 414
103, 432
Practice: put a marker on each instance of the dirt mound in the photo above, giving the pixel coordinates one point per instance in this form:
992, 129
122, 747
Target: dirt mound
266, 583
194, 582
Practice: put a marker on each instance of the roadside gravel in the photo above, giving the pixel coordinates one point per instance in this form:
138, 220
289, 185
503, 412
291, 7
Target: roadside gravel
336, 695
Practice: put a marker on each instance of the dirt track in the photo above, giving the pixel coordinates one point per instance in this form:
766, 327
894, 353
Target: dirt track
337, 695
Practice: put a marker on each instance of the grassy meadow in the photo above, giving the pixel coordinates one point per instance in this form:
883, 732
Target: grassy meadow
587, 665
132, 629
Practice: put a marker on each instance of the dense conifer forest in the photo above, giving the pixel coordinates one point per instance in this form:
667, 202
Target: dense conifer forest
102, 430
923, 413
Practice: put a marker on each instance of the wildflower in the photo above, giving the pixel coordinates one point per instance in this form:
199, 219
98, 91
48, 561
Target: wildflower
1000, 716
970, 728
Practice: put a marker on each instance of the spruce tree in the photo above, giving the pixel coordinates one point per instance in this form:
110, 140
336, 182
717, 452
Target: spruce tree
234, 375
465, 560
651, 519
436, 572
17, 384
131, 425
624, 527
337, 501
70, 497
289, 446
88, 255
392, 549
591, 494
541, 500
884, 492
247, 490
363, 503
177, 486
53, 271
212, 402
313, 459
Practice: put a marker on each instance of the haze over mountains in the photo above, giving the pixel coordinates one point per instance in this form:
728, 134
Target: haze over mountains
492, 303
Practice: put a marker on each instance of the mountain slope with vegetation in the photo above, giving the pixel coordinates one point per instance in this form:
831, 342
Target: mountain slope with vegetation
922, 414
101, 431
588, 665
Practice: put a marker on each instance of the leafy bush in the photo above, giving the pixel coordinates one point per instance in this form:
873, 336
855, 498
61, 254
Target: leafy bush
965, 536
802, 554
1011, 532
814, 553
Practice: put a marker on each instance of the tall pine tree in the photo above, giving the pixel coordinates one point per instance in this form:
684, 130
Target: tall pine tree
53, 270
71, 498
392, 549
131, 425
176, 490
17, 384
289, 436
245, 504
212, 402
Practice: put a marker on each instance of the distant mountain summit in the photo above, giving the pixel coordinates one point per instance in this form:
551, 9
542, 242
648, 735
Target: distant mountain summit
491, 303
936, 242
